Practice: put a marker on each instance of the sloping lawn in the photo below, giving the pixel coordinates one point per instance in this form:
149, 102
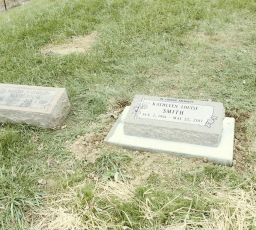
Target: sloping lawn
67, 178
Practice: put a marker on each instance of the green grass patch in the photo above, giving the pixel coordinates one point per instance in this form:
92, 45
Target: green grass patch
111, 166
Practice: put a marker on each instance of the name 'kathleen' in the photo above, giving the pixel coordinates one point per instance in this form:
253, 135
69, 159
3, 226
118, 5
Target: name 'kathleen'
165, 105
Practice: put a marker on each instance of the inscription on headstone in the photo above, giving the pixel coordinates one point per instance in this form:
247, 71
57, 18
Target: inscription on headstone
175, 112
30, 98
41, 106
189, 121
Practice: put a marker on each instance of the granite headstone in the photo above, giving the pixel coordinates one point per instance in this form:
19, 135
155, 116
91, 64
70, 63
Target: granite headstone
188, 121
45, 107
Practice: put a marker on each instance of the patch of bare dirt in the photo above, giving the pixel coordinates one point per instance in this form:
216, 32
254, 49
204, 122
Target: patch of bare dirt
79, 44
253, 142
90, 145
241, 145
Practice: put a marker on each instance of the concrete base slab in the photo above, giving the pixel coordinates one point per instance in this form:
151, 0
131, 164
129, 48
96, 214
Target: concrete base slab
223, 154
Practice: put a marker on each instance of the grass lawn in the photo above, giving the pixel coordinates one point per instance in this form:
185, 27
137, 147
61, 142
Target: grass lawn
67, 178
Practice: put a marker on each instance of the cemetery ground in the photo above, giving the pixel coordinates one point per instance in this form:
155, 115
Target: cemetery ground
66, 177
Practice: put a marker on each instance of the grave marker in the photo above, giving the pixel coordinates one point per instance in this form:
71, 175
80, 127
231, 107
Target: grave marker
189, 121
45, 107
186, 128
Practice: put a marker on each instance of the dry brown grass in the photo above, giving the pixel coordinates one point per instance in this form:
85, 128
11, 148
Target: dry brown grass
65, 212
236, 209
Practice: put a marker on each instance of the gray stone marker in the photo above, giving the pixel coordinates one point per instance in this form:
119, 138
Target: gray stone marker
45, 107
184, 128
188, 121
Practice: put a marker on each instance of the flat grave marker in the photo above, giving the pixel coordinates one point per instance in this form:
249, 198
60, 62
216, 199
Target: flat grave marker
189, 121
45, 107
187, 128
